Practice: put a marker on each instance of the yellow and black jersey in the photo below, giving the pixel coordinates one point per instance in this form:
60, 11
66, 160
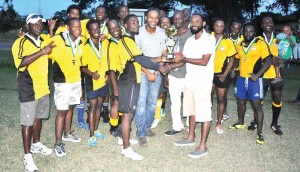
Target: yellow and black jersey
113, 58
66, 61
94, 58
224, 49
251, 57
32, 79
84, 31
238, 40
270, 73
128, 49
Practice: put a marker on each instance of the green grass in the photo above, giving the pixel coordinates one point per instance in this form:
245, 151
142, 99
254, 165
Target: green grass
231, 151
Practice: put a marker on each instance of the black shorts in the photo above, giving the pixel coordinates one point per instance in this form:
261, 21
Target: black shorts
219, 84
128, 96
278, 86
162, 88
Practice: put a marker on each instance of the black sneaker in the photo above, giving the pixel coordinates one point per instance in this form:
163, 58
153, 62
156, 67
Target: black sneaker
115, 131
171, 132
277, 129
252, 125
260, 139
105, 116
59, 149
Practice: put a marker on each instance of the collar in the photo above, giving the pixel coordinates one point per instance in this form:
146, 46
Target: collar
36, 42
65, 37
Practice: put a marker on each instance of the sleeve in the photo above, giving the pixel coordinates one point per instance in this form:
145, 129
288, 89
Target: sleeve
237, 56
17, 52
54, 50
231, 48
265, 50
59, 30
146, 62
294, 39
113, 58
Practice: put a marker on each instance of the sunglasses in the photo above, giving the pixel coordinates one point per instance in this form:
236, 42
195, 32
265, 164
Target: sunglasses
34, 17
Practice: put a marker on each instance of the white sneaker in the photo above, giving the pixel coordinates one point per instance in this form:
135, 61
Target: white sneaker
129, 153
155, 123
71, 137
29, 163
40, 148
220, 129
131, 141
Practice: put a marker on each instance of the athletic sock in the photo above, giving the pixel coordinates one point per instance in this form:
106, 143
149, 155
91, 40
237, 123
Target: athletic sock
158, 108
113, 121
276, 108
80, 111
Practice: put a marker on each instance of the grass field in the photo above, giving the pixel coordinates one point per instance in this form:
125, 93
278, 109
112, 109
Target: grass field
231, 151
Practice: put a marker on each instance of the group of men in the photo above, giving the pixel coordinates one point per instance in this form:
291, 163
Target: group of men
127, 62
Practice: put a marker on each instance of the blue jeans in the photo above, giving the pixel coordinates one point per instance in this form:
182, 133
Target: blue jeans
146, 105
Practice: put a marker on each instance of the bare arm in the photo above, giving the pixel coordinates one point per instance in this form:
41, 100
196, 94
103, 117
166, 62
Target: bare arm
27, 60
86, 71
227, 70
265, 67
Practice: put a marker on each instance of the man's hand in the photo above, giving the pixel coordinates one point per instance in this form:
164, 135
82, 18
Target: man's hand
254, 77
21, 33
222, 77
103, 37
95, 75
178, 58
48, 49
52, 23
151, 77
164, 69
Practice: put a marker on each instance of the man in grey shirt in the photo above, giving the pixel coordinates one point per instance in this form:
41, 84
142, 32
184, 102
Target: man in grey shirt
176, 76
151, 39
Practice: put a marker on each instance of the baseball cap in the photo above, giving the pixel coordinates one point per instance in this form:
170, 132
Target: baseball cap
33, 18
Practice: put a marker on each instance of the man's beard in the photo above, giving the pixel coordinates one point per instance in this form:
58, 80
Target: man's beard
196, 31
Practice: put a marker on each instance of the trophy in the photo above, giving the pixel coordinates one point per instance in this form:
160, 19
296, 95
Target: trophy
172, 43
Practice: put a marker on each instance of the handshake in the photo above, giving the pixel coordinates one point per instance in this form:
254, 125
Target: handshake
165, 69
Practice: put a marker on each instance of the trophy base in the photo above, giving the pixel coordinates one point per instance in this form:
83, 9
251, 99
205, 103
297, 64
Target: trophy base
170, 56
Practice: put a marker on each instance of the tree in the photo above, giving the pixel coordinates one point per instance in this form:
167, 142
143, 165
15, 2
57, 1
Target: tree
9, 19
284, 5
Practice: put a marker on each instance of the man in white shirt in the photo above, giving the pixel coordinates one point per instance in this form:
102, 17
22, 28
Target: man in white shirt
198, 54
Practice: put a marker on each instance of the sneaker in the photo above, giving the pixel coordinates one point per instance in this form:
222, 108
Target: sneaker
99, 135
277, 129
274, 81
131, 141
260, 139
155, 123
219, 129
198, 153
83, 125
29, 163
59, 149
252, 125
185, 142
105, 115
71, 137
162, 112
150, 133
40, 148
92, 141
115, 131
143, 142
129, 153
237, 126
172, 132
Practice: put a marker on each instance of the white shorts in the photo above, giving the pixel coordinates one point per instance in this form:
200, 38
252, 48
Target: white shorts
197, 101
66, 94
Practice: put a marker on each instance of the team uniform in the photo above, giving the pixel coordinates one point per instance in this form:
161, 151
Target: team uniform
130, 75
236, 42
66, 70
33, 85
94, 59
224, 49
84, 31
250, 61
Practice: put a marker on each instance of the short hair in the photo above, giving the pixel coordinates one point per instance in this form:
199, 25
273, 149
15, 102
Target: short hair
122, 7
128, 17
288, 25
71, 19
111, 20
74, 7
101, 6
218, 19
198, 14
152, 9
178, 12
262, 19
90, 22
249, 24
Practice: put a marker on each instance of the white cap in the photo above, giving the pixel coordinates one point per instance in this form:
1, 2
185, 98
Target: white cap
33, 18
